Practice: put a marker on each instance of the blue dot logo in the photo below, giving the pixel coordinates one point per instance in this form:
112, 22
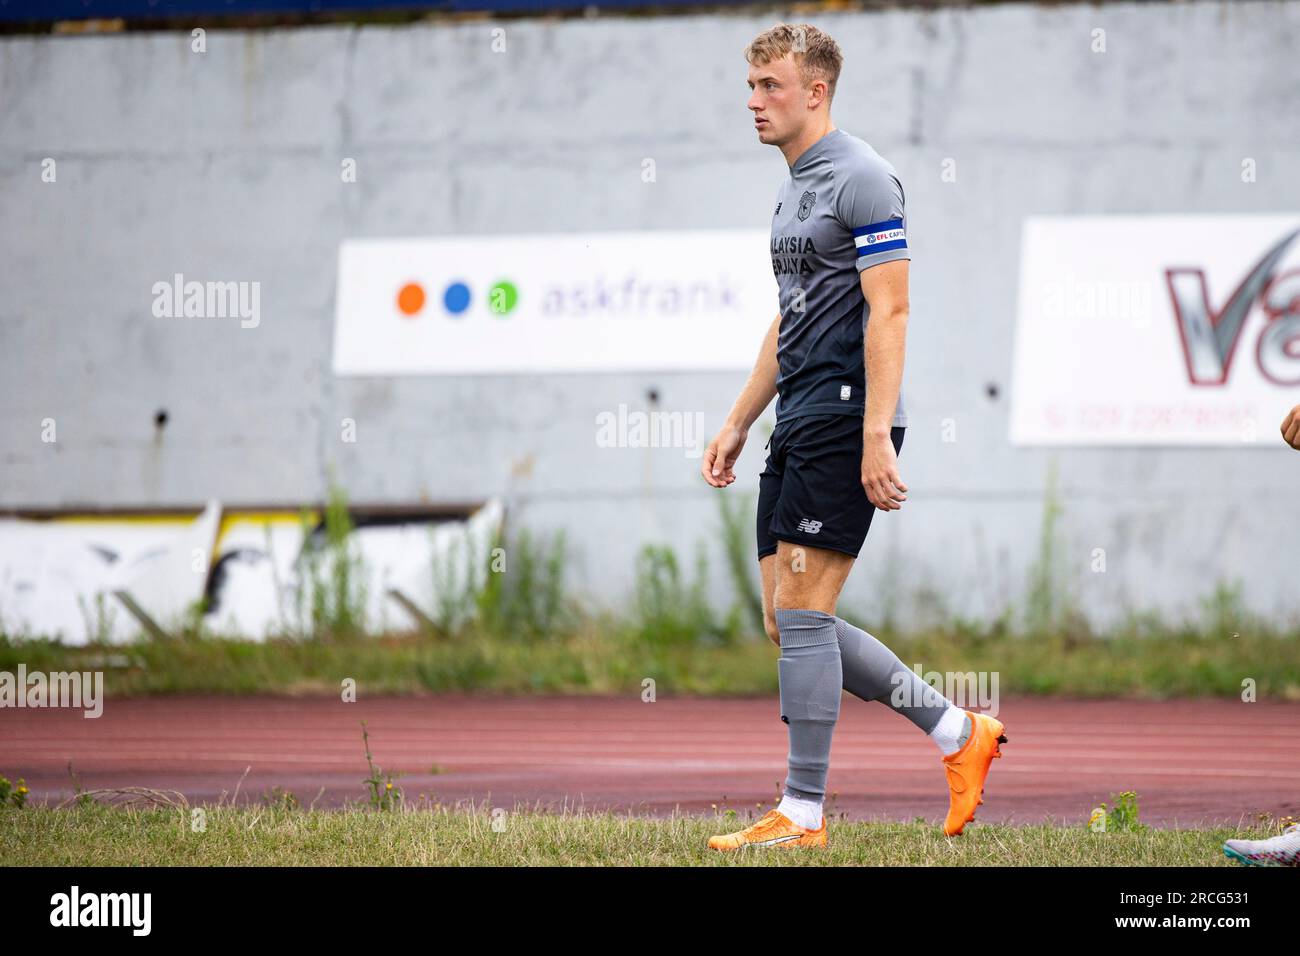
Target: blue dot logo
456, 298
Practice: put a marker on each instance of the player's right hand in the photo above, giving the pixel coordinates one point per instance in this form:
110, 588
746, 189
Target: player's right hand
1291, 428
720, 457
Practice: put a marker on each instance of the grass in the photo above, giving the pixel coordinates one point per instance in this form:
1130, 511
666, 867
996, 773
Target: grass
433, 835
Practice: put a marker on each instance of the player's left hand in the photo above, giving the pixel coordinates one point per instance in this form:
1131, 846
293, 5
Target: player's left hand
1291, 428
880, 477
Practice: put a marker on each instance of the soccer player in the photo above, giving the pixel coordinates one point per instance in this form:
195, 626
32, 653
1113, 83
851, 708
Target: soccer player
1283, 849
840, 255
1291, 428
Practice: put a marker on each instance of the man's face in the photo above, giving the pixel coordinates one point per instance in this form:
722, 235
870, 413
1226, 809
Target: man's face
779, 100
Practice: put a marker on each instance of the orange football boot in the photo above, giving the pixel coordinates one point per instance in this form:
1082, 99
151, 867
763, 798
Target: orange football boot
967, 768
773, 829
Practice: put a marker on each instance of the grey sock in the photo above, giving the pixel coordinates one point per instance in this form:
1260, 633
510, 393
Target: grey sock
873, 672
811, 682
965, 731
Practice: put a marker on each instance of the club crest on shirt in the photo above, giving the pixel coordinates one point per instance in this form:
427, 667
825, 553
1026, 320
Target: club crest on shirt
806, 203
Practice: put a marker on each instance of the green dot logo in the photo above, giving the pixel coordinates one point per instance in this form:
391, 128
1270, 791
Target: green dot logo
502, 297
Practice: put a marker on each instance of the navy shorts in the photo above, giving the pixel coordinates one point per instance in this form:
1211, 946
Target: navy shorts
810, 491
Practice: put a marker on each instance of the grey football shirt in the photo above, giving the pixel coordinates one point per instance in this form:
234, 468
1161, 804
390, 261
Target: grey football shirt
840, 211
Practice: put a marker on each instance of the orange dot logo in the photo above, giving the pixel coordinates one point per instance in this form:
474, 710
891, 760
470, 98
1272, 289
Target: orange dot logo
411, 298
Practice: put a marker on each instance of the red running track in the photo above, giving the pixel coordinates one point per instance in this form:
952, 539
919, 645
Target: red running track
1192, 762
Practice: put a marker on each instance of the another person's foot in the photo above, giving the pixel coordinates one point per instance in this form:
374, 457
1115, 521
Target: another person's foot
773, 829
967, 768
1281, 850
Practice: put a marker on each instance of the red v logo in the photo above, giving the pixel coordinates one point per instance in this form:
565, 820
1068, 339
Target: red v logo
1210, 339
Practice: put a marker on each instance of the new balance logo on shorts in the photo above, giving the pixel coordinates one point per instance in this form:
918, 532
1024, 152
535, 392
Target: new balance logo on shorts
807, 524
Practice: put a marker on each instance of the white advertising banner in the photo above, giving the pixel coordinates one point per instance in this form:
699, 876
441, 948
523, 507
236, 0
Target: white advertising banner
1157, 330
597, 302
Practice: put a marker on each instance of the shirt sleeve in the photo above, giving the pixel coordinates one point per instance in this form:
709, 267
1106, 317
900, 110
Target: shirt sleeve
869, 204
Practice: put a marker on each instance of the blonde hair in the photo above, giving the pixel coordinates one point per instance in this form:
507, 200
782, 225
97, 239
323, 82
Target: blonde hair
815, 53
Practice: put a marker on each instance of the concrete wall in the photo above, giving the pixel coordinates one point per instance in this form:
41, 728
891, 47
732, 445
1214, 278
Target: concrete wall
225, 165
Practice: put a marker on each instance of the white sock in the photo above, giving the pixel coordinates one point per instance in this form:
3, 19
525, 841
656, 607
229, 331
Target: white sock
952, 730
804, 813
